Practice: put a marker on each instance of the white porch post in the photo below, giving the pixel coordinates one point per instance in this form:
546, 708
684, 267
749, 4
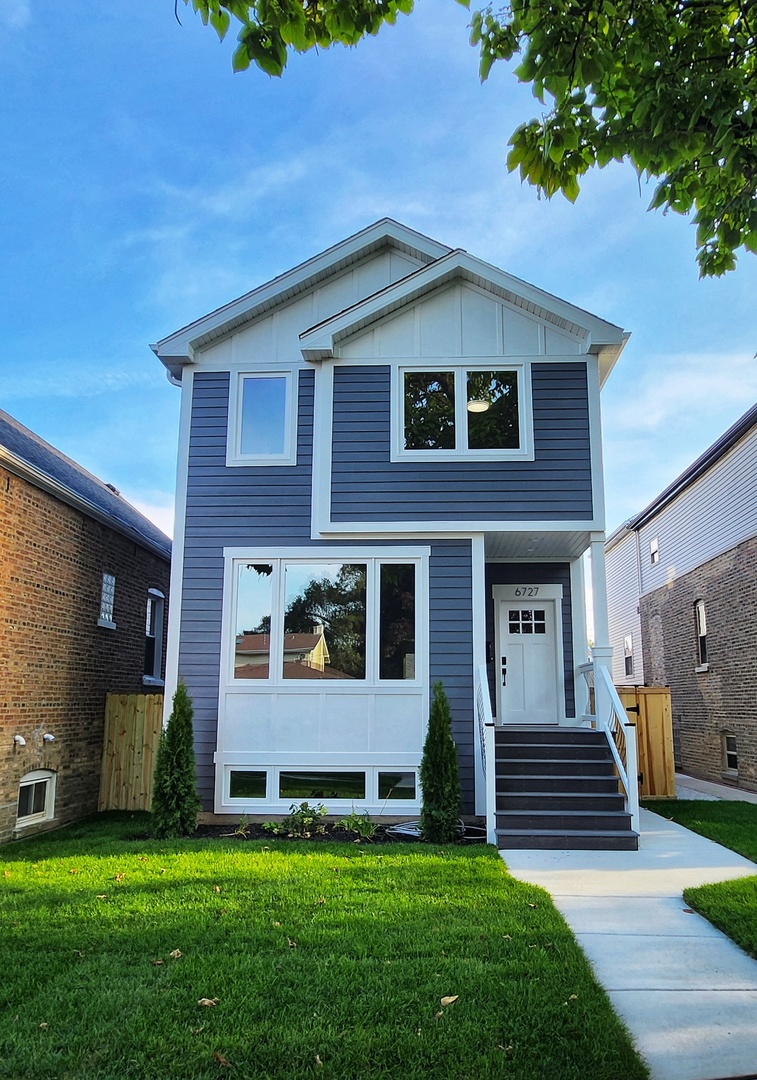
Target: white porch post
602, 652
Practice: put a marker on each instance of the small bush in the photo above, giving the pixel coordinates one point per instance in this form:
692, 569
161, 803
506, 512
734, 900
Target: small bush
175, 804
303, 820
439, 774
360, 824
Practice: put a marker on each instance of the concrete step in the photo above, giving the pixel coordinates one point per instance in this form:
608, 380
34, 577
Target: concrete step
573, 840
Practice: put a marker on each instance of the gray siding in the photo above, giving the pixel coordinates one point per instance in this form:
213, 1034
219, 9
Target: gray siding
451, 647
556, 486
534, 574
271, 505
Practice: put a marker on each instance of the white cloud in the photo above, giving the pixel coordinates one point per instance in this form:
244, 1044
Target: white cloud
157, 508
73, 379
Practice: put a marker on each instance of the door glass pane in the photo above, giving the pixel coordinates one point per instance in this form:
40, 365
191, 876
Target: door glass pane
263, 415
492, 410
253, 621
429, 410
324, 621
397, 622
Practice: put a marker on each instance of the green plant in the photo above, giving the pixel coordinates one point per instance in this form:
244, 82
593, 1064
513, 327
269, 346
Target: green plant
360, 824
175, 804
303, 820
439, 775
243, 828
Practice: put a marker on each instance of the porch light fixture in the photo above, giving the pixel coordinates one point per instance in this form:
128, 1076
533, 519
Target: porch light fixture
478, 405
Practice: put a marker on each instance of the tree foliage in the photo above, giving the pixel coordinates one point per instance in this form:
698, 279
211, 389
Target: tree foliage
175, 804
439, 775
666, 84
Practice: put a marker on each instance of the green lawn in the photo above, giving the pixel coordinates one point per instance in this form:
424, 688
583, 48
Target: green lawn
729, 905
323, 960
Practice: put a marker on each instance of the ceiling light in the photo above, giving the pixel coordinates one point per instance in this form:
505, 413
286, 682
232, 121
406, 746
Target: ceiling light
478, 405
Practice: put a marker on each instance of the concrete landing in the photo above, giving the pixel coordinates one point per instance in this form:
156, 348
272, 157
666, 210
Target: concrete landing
687, 994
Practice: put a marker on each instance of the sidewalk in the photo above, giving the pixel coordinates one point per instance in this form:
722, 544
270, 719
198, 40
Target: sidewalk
687, 994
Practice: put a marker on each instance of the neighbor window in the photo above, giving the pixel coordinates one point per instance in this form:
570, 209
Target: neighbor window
654, 550
325, 620
459, 411
154, 636
701, 628
261, 419
107, 599
628, 654
36, 797
730, 756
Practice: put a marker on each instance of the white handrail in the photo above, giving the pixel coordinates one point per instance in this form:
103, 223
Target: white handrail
486, 750
609, 715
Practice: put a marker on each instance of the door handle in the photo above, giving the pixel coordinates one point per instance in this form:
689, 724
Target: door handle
504, 671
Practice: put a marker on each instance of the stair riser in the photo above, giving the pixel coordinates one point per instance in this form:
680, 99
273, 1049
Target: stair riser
554, 768
545, 751
560, 801
562, 822
581, 737
590, 784
564, 842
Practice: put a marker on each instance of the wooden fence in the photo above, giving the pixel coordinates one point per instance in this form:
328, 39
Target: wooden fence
649, 708
133, 723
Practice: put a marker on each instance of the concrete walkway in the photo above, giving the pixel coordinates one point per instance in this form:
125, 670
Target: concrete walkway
687, 994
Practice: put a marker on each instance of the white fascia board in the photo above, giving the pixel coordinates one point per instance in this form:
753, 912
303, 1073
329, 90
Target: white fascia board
342, 530
320, 341
177, 349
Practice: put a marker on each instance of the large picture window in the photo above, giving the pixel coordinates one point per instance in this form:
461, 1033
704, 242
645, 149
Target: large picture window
262, 430
461, 411
298, 619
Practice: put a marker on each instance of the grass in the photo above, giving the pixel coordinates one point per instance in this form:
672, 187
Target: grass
324, 960
729, 905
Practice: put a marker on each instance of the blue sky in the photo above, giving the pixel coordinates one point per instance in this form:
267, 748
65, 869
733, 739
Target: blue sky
142, 184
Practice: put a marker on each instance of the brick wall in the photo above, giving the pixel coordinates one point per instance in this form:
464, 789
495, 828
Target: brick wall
56, 663
723, 698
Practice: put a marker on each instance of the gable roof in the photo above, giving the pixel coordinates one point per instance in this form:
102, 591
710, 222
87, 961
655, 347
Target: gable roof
29, 456
602, 338
697, 468
177, 350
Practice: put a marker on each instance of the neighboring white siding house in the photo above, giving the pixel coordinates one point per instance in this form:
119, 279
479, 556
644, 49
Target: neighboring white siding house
682, 573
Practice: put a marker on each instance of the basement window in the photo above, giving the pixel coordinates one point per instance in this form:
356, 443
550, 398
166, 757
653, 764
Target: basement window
730, 755
36, 798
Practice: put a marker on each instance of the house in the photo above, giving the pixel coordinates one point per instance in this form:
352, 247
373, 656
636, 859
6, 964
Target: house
84, 583
398, 443
681, 581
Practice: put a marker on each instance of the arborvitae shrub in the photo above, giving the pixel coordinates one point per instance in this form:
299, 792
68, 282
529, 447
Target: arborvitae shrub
440, 778
175, 804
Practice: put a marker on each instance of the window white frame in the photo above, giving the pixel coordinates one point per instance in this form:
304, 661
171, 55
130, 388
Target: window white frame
157, 598
273, 772
654, 550
700, 620
373, 559
628, 664
107, 601
523, 452
730, 751
48, 777
234, 455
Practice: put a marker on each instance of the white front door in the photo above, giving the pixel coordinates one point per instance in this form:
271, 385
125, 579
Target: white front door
528, 666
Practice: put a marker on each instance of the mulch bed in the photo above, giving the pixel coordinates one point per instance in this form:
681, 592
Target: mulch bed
333, 834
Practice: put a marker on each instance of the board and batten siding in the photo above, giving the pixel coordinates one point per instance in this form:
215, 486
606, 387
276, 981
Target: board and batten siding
712, 515
367, 486
255, 506
623, 608
535, 573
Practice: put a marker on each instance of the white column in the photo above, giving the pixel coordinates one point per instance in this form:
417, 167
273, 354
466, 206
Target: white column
599, 590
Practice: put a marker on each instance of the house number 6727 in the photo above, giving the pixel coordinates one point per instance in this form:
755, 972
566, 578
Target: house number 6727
529, 591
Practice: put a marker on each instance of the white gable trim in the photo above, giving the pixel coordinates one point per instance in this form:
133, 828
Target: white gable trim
178, 349
321, 342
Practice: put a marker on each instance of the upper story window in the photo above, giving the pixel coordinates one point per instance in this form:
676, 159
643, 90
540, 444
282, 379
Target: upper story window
701, 628
654, 550
461, 411
262, 425
107, 600
154, 636
316, 620
628, 654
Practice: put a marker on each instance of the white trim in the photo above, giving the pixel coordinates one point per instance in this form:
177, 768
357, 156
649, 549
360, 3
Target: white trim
448, 529
323, 419
234, 455
460, 366
552, 594
177, 562
580, 635
478, 614
595, 443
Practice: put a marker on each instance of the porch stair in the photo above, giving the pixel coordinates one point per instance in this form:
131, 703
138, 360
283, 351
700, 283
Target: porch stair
557, 789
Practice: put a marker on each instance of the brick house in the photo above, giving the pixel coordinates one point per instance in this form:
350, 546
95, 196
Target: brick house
84, 584
682, 594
